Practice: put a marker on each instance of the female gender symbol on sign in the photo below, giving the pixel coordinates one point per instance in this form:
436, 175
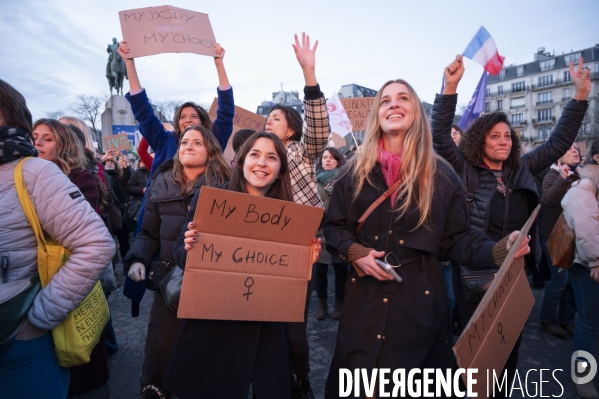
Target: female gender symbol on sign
499, 330
248, 283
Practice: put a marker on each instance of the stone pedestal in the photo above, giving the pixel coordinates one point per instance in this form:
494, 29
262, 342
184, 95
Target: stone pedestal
116, 113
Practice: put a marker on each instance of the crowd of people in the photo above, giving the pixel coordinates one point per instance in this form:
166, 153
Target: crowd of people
439, 201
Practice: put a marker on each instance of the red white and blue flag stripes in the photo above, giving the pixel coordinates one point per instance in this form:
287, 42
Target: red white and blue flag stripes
482, 49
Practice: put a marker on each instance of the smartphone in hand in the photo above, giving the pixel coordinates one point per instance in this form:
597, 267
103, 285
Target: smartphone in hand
389, 270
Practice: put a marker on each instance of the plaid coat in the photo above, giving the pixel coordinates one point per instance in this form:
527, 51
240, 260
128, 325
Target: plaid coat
302, 155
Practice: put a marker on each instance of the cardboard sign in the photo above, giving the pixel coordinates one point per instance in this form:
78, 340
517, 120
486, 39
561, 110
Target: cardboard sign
491, 333
116, 142
252, 260
132, 133
358, 109
243, 119
336, 141
166, 29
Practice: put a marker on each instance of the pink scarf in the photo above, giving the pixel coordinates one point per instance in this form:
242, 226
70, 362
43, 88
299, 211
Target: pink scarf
391, 165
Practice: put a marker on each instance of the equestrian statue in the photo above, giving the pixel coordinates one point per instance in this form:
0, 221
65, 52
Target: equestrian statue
116, 71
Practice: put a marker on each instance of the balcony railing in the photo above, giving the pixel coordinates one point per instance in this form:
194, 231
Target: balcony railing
557, 82
508, 91
543, 121
595, 75
519, 123
517, 106
544, 102
566, 98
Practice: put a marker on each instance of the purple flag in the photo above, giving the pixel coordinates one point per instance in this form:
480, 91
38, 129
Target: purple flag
476, 105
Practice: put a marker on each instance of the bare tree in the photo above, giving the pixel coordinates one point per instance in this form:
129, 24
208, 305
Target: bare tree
88, 109
460, 109
55, 114
168, 108
589, 128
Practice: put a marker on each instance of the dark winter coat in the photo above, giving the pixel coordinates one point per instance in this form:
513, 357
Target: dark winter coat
118, 183
518, 178
393, 325
165, 211
555, 188
221, 358
86, 183
138, 181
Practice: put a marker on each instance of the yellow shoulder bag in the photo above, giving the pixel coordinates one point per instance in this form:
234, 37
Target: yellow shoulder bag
76, 337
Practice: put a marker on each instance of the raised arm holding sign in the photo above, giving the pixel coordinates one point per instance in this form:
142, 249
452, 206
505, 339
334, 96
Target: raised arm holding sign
188, 114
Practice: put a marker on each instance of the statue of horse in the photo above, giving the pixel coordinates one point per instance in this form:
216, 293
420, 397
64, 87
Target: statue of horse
116, 72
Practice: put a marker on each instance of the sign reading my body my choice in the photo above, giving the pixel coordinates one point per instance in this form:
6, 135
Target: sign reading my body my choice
252, 259
166, 29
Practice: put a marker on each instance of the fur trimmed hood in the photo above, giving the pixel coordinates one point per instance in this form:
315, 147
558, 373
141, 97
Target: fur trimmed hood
591, 172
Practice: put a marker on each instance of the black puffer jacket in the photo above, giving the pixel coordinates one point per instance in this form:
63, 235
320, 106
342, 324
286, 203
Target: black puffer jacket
138, 181
520, 178
165, 211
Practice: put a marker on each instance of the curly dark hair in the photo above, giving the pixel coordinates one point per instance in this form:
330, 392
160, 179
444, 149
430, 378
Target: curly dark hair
472, 144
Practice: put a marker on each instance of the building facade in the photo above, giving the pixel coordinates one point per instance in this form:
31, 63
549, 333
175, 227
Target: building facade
288, 98
534, 94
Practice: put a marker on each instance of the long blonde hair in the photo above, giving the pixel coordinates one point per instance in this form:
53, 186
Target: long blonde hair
69, 151
81, 125
418, 161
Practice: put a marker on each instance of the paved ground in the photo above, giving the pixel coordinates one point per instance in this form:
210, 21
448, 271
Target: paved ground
538, 351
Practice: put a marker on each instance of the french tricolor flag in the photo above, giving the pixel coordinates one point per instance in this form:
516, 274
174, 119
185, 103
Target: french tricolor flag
482, 49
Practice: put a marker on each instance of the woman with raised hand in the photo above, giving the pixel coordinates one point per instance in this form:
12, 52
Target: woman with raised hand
164, 142
221, 358
558, 310
499, 179
386, 323
199, 161
304, 143
28, 365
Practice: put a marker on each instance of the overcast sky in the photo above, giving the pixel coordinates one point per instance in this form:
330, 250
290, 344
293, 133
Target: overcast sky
54, 50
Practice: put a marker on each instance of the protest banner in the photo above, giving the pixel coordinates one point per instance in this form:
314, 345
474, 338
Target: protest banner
116, 142
166, 29
491, 333
243, 119
357, 110
132, 133
252, 260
